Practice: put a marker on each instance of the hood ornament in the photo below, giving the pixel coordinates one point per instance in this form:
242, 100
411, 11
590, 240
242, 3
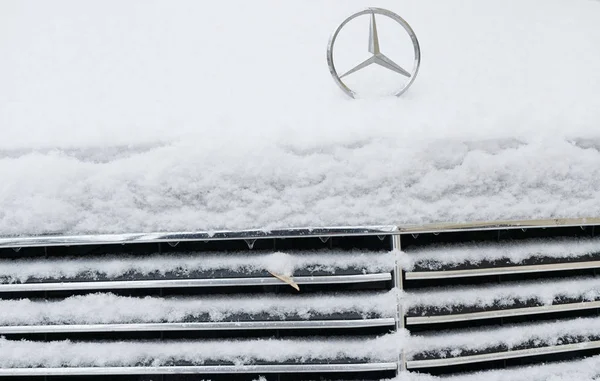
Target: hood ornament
377, 57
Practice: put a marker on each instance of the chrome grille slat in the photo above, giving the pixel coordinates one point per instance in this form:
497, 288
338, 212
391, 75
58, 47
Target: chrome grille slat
218, 369
203, 326
192, 283
449, 274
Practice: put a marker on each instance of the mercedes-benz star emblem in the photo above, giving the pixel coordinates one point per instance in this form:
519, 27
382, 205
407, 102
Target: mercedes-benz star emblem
377, 57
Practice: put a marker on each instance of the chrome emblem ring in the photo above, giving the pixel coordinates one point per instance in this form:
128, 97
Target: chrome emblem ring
377, 57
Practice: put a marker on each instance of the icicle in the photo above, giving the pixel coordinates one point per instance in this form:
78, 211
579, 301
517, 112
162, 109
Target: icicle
250, 243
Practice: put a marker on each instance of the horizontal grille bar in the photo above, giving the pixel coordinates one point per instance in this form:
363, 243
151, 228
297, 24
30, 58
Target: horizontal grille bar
206, 326
451, 361
307, 232
221, 369
180, 283
103, 239
498, 225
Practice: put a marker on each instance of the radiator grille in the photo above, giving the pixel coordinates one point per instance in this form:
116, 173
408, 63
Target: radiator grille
371, 302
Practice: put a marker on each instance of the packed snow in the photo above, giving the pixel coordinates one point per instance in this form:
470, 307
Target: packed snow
21, 270
453, 344
20, 354
155, 116
108, 308
581, 370
436, 257
545, 292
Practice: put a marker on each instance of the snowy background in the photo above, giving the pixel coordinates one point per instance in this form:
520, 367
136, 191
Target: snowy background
194, 115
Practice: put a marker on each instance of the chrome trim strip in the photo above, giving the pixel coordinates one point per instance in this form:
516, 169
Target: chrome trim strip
179, 283
448, 274
499, 225
435, 319
202, 326
450, 361
207, 369
105, 239
306, 232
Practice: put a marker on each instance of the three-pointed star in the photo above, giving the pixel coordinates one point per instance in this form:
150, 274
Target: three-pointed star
378, 57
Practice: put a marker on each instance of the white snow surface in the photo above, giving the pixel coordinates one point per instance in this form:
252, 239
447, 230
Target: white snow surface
19, 354
106, 308
581, 370
20, 270
162, 116
546, 333
435, 257
544, 291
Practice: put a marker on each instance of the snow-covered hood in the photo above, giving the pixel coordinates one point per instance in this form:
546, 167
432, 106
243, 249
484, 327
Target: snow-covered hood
187, 121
